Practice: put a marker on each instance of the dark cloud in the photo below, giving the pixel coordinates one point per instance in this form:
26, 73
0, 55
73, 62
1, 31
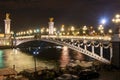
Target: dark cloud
35, 13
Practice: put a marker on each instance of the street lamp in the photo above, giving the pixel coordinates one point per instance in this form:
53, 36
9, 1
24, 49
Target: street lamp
84, 29
35, 53
72, 29
116, 20
110, 31
103, 21
101, 29
47, 30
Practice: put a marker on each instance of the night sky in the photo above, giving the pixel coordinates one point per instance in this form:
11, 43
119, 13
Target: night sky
31, 14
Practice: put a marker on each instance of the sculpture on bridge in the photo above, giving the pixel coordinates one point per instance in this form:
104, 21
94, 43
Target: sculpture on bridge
51, 19
7, 16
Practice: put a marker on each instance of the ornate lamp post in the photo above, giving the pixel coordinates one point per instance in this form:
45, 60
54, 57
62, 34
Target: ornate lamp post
116, 20
72, 29
84, 29
101, 29
110, 31
35, 53
62, 29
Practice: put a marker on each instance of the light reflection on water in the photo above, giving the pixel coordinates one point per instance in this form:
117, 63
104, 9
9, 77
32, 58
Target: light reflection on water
21, 60
1, 59
64, 60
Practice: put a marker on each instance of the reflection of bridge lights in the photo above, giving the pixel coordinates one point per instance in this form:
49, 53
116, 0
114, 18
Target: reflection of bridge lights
79, 56
64, 57
38, 47
65, 48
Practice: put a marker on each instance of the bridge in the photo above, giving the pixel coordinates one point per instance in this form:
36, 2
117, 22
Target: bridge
94, 47
97, 45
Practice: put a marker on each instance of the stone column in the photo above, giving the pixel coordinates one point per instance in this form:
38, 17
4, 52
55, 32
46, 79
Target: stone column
7, 26
116, 48
51, 27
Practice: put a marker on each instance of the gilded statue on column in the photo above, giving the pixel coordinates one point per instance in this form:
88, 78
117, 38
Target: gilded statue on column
51, 19
7, 16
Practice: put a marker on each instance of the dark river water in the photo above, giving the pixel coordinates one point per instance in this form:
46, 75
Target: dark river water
48, 57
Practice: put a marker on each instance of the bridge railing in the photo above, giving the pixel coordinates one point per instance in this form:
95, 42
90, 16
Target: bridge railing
91, 46
80, 49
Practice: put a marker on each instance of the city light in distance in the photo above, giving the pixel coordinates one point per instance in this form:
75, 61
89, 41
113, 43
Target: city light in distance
103, 21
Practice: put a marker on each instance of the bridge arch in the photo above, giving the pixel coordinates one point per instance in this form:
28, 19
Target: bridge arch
73, 47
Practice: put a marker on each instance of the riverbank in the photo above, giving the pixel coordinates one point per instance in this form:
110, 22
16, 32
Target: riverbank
109, 75
6, 47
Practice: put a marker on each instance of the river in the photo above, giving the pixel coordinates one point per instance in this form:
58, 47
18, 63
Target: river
50, 57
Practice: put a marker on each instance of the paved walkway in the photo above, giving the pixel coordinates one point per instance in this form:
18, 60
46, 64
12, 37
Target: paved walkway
109, 75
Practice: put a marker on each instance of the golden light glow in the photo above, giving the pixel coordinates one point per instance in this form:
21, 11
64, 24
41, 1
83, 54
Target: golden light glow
117, 16
110, 30
84, 32
93, 31
24, 32
68, 33
51, 19
116, 19
12, 32
27, 32
64, 60
101, 31
84, 28
72, 28
35, 31
62, 29
54, 29
47, 30
100, 27
30, 31
1, 35
7, 16
42, 30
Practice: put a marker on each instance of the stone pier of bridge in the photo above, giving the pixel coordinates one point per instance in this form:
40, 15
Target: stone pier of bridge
116, 47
